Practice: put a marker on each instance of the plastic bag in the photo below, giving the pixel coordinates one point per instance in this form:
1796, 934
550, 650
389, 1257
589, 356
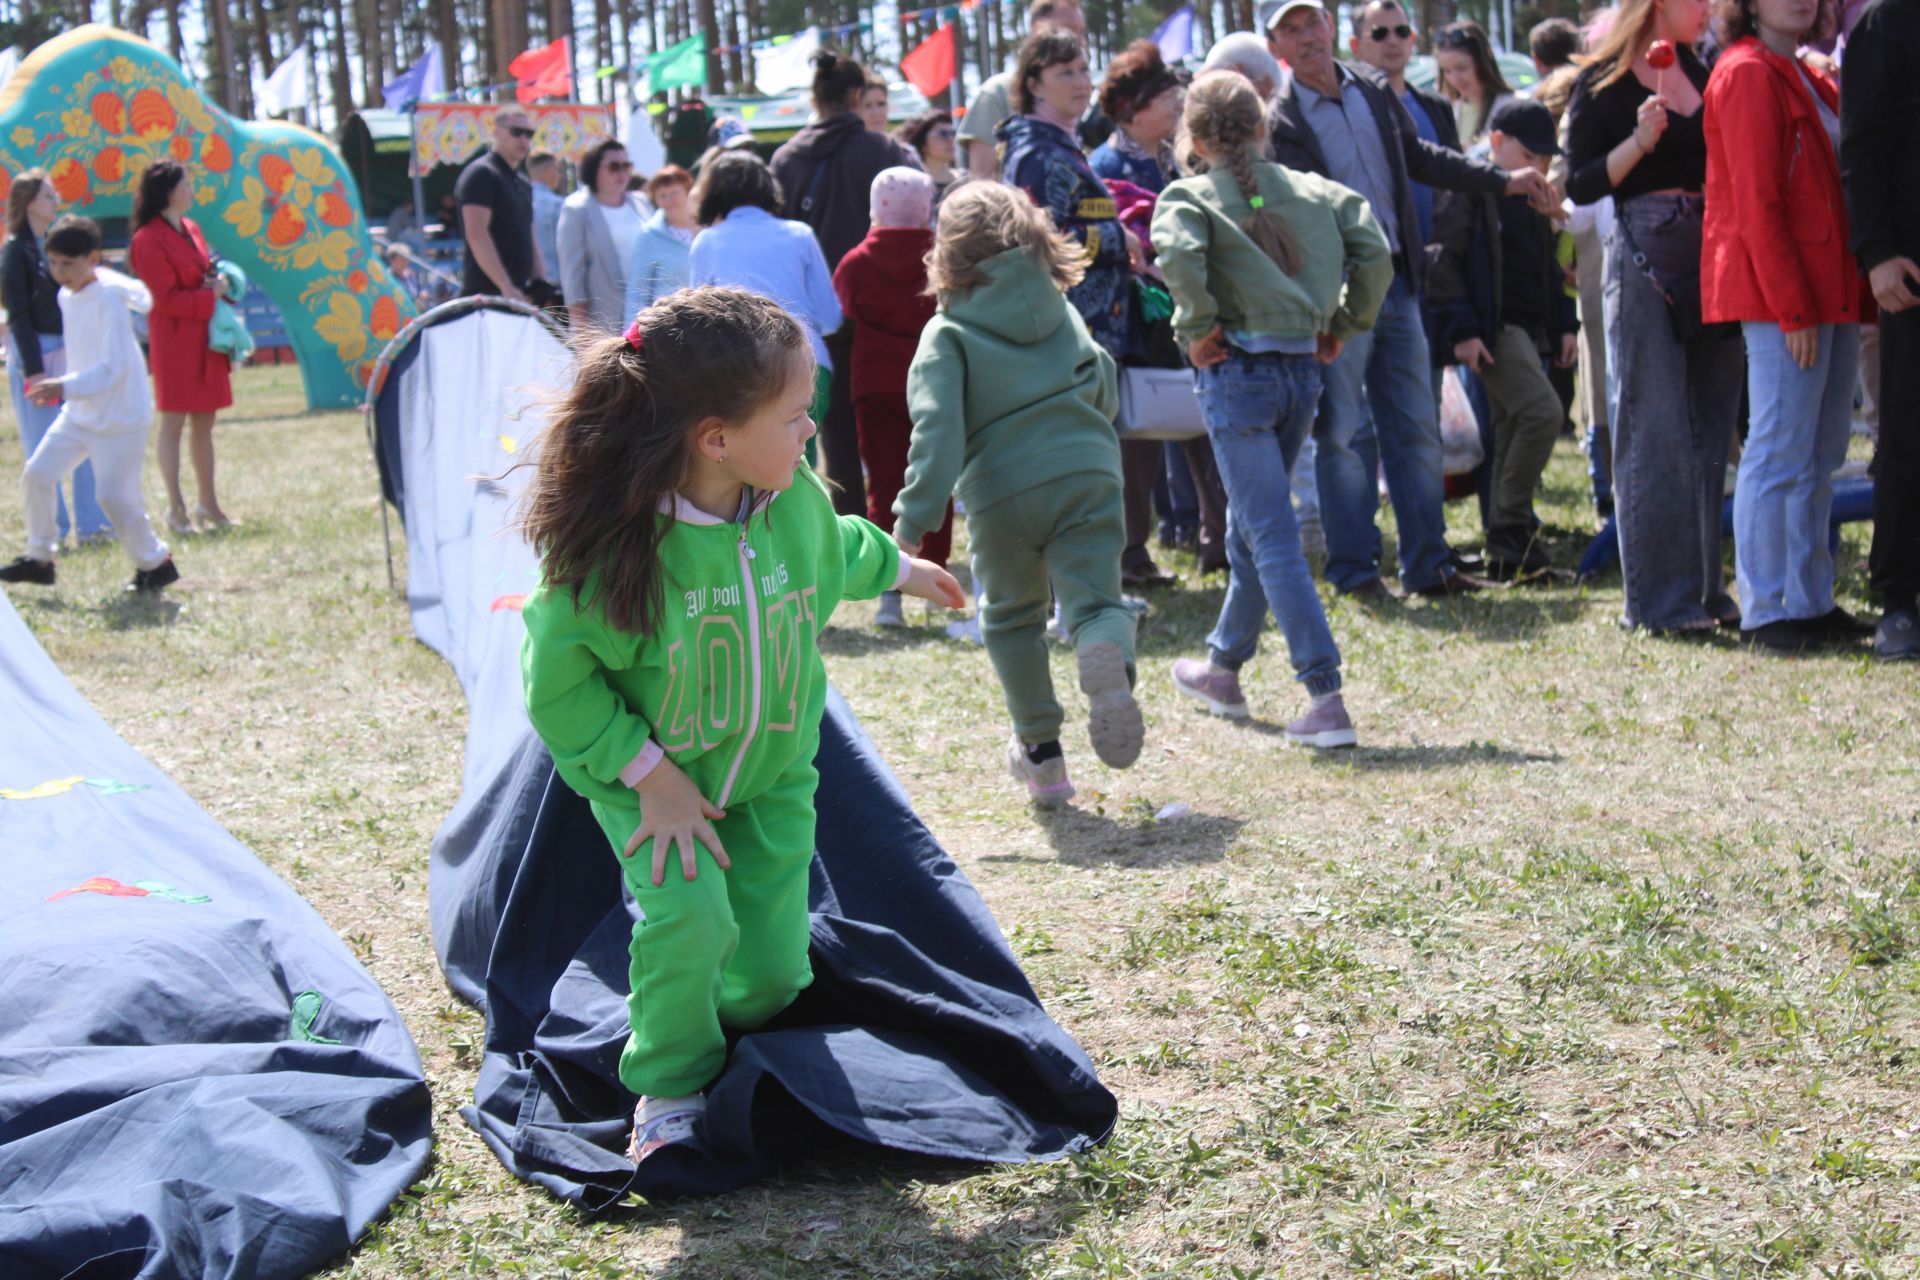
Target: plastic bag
1460, 447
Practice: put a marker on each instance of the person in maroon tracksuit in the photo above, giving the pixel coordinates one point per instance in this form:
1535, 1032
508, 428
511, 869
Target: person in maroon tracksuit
882, 283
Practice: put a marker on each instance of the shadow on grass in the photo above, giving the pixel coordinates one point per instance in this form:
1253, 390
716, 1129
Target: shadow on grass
1086, 837
125, 611
855, 1210
852, 640
1429, 756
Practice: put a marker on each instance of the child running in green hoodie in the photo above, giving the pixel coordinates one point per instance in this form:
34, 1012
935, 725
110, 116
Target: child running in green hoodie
1271, 271
689, 561
1012, 404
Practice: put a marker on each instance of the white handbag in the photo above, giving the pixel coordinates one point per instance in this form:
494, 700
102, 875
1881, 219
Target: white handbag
1158, 404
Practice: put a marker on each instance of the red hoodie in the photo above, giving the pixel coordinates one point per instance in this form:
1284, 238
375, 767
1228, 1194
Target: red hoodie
882, 285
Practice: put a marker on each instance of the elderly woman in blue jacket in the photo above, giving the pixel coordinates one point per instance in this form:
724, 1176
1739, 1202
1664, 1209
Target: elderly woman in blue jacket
659, 265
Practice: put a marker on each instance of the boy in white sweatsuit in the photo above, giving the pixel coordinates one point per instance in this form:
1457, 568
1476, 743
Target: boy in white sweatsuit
107, 412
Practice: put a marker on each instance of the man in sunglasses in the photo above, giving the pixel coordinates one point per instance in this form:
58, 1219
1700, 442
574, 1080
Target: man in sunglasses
1384, 39
1344, 123
496, 210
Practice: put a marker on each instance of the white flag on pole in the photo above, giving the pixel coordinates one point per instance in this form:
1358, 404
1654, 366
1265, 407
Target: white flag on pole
286, 89
788, 65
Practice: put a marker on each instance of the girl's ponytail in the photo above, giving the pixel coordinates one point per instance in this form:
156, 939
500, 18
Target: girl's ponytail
1224, 113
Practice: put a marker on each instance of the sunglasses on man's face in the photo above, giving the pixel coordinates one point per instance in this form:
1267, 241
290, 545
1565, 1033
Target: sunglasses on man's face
1400, 32
520, 130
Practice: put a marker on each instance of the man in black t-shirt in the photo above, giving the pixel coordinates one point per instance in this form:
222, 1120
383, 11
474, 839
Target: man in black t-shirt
496, 213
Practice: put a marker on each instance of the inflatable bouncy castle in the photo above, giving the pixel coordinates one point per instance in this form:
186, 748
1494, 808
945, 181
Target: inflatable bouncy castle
96, 106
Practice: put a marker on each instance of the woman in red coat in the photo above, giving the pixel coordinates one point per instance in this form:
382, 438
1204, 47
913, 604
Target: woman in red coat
1774, 258
189, 381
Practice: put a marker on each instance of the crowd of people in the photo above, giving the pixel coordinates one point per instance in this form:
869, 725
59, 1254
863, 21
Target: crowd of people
78, 371
1693, 209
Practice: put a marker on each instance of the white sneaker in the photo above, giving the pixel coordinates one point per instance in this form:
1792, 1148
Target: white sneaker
661, 1122
891, 612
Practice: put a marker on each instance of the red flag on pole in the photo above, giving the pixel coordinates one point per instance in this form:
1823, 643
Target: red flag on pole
546, 72
929, 68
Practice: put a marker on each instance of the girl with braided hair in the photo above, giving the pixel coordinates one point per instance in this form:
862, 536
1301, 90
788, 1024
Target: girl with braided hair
1271, 271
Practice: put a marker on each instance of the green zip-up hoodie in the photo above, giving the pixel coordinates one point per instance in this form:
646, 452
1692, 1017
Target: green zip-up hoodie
1007, 392
1218, 275
730, 685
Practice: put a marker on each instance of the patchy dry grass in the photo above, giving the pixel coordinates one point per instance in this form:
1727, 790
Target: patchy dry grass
1601, 957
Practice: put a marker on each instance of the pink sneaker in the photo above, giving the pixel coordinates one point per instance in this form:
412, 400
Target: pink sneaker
1326, 725
1047, 784
661, 1122
1220, 690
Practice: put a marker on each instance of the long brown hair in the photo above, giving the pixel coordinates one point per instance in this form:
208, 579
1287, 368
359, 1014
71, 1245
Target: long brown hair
1223, 111
1632, 31
156, 188
1471, 39
26, 189
618, 444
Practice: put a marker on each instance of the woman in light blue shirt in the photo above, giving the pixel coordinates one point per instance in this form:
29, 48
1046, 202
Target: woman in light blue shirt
748, 245
659, 265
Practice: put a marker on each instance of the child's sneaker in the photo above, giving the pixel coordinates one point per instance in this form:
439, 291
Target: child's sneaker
661, 1122
27, 569
1326, 725
148, 581
1113, 721
1047, 784
891, 612
1206, 683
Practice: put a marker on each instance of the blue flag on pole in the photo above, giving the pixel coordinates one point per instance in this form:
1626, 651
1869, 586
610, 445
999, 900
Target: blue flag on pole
1175, 35
421, 82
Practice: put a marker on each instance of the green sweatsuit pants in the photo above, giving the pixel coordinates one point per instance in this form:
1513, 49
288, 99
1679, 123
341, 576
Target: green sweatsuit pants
725, 949
1070, 531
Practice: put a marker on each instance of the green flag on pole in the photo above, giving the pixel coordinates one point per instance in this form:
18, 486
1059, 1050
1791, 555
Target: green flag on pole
684, 66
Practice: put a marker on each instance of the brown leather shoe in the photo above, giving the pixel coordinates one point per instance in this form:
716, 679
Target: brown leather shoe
1454, 584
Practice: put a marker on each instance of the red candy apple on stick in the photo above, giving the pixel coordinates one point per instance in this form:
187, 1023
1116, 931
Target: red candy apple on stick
1660, 56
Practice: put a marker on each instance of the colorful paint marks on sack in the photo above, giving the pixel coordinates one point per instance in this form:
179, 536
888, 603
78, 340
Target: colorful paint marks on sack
515, 602
307, 1007
60, 786
510, 444
111, 888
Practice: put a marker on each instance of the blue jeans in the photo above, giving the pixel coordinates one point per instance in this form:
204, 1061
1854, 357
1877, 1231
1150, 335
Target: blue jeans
1258, 409
35, 421
1799, 420
1378, 406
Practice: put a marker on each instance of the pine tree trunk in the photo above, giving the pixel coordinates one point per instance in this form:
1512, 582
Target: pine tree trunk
173, 29
509, 39
447, 31
342, 75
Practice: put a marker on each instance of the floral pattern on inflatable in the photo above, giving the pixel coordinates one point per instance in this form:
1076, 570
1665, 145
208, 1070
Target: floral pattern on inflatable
95, 107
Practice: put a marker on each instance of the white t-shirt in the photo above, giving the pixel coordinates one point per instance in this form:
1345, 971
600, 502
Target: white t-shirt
624, 221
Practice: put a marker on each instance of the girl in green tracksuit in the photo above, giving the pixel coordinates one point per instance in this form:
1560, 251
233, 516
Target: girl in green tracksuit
689, 561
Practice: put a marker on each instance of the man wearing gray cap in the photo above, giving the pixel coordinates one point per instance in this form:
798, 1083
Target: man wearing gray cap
1343, 122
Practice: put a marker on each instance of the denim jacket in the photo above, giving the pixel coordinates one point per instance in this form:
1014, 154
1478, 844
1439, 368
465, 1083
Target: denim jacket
1045, 161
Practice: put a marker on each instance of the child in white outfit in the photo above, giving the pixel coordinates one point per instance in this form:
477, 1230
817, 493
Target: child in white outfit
107, 413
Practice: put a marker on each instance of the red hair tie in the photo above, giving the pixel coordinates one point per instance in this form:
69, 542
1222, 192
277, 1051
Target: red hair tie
635, 339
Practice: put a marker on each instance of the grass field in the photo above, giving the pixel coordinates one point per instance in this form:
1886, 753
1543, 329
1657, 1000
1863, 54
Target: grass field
1600, 957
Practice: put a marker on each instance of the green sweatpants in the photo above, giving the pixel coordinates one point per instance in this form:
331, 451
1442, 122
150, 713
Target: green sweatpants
1070, 531
725, 949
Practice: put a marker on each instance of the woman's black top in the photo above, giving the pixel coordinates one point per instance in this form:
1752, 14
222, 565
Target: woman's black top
1600, 120
32, 299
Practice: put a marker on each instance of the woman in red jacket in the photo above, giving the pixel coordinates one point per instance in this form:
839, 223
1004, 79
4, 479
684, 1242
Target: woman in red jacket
1774, 257
882, 285
189, 381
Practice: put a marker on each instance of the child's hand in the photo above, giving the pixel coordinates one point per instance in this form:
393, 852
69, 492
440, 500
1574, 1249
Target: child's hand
43, 390
1569, 351
1206, 352
907, 549
929, 581
1327, 348
673, 812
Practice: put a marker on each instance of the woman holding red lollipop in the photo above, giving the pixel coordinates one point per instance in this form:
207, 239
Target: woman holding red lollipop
1635, 131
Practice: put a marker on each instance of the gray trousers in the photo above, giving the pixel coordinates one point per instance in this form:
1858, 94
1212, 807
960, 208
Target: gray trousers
1671, 427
